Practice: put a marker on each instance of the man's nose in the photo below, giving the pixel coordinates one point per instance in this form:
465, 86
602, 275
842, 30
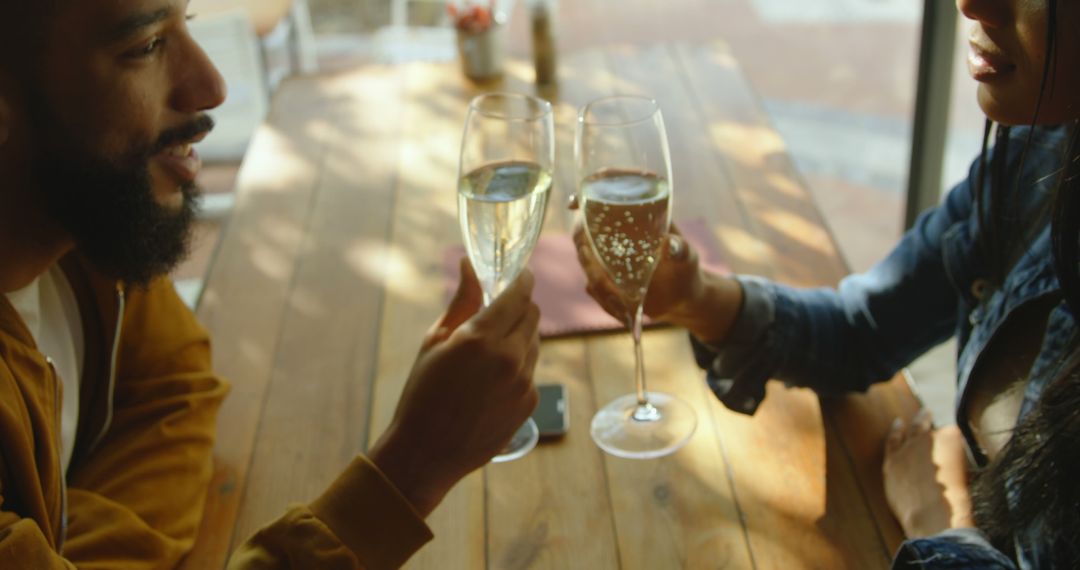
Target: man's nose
198, 84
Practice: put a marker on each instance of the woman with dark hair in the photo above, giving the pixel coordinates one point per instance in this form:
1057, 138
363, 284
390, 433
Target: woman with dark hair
997, 264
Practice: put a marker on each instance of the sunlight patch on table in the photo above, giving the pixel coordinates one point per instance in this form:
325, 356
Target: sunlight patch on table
280, 231
744, 245
252, 351
724, 59
785, 185
391, 266
800, 229
750, 145
307, 304
273, 164
271, 262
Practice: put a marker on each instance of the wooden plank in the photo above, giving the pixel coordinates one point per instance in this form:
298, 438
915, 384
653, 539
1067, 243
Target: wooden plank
782, 212
566, 504
424, 223
861, 421
316, 413
820, 469
550, 508
703, 187
677, 511
699, 182
244, 300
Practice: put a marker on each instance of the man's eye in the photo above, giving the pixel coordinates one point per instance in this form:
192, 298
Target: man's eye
148, 49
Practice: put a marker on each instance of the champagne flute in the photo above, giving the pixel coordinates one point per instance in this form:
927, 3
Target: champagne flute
624, 173
504, 179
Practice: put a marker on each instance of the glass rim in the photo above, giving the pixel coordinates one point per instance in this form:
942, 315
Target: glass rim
653, 112
543, 106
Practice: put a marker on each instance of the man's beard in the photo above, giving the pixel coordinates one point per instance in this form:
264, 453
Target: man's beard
109, 209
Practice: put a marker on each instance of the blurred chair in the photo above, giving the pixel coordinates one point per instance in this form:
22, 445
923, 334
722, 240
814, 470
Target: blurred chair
229, 39
255, 44
419, 30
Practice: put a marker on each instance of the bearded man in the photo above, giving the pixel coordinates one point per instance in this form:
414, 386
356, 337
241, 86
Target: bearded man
107, 396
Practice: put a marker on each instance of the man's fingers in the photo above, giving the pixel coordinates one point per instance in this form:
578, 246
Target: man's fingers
466, 301
506, 310
529, 366
526, 327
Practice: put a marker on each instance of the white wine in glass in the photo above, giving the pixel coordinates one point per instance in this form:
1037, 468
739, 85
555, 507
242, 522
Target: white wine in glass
624, 173
507, 156
501, 210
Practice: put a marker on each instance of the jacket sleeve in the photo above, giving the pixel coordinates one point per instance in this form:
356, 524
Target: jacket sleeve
361, 521
137, 499
22, 545
842, 340
957, 548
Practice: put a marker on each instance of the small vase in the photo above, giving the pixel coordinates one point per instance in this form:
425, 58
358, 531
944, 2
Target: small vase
481, 53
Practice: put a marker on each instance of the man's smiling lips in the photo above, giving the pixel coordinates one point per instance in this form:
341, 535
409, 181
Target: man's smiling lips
182, 160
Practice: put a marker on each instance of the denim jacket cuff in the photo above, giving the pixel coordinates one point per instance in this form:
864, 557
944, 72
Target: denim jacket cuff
956, 548
735, 371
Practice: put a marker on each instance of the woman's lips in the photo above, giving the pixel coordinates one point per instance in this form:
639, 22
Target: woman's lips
987, 65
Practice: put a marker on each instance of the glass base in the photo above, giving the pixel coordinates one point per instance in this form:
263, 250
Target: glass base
523, 442
624, 429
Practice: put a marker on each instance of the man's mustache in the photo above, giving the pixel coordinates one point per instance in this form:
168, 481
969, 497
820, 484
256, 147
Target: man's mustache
184, 133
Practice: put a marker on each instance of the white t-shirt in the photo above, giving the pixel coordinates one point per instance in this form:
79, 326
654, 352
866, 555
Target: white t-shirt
49, 309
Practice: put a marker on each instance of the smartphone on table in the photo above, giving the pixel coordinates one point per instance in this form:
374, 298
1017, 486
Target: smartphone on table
552, 414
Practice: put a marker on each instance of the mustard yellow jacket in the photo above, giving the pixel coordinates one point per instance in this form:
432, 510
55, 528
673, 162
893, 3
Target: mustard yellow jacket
137, 482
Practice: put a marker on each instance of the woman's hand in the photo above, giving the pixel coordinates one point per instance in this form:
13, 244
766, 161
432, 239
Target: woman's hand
680, 292
926, 480
675, 283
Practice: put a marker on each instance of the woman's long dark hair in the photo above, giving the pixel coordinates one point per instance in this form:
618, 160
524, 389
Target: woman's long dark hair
1039, 468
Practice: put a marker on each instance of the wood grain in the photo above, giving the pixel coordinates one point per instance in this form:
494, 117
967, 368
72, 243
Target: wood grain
424, 222
549, 509
782, 215
331, 271
246, 290
315, 417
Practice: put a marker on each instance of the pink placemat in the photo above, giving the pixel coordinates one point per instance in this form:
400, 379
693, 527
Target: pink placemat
565, 307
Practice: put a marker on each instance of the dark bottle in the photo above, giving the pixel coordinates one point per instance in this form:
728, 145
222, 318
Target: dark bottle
543, 37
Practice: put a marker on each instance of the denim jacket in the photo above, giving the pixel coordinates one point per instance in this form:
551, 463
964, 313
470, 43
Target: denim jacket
933, 285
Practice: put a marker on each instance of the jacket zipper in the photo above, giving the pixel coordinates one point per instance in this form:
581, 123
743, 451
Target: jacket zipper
62, 534
112, 372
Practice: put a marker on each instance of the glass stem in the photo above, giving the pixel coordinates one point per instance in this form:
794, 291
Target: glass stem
639, 362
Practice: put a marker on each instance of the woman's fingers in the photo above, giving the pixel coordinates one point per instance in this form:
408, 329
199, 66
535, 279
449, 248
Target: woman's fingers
896, 435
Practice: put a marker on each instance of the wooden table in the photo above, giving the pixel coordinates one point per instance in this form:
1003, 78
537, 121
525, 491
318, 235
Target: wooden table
331, 269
